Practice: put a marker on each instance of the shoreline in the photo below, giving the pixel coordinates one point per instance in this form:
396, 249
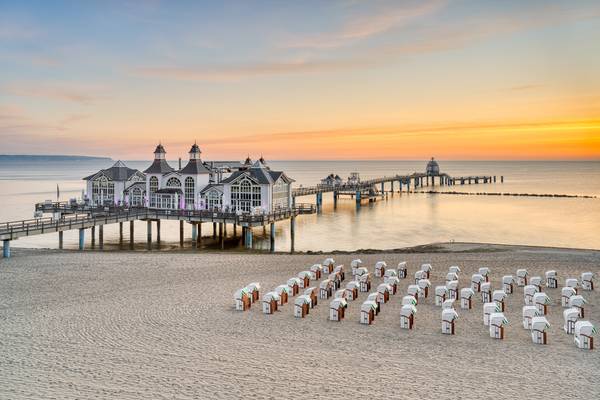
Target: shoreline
428, 248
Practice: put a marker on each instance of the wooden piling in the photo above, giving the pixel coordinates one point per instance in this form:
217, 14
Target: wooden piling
60, 240
180, 233
272, 237
131, 233
101, 236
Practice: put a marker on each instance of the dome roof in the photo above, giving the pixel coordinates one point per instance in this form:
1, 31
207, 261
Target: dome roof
195, 149
433, 168
159, 149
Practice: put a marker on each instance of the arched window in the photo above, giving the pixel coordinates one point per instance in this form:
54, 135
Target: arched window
213, 200
189, 192
245, 195
174, 182
153, 189
136, 197
103, 191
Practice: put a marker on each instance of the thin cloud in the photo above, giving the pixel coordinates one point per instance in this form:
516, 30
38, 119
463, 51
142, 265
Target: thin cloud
366, 26
62, 92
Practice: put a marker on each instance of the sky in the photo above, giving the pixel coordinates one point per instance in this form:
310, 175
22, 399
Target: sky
348, 79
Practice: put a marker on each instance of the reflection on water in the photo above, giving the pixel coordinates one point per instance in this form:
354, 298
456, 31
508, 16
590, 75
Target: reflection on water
401, 220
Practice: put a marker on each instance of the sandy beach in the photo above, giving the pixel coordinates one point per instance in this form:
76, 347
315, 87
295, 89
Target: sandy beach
161, 325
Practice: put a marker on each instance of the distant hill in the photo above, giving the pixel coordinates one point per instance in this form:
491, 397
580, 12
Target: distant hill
40, 158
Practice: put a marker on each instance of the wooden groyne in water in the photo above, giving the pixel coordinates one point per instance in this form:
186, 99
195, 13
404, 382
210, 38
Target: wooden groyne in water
576, 196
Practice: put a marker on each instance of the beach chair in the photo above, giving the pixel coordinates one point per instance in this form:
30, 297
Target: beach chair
376, 297
486, 292
551, 279
352, 290
448, 304
528, 313
528, 292
570, 315
294, 284
587, 281
339, 270
539, 325
380, 267
451, 276
584, 335
485, 272
522, 277
449, 316
476, 281
497, 323
336, 309
414, 290
390, 272
454, 269
269, 302
424, 284
427, 268
402, 270
384, 290
242, 299
407, 316
577, 301
499, 296
254, 290
537, 282
336, 278
305, 278
410, 300
325, 289
302, 306
354, 265
317, 270
489, 309
360, 271
284, 292
328, 265
311, 292
365, 282
441, 292
340, 294
573, 283
393, 281
541, 301
367, 312
466, 298
452, 290
507, 284
420, 274
566, 294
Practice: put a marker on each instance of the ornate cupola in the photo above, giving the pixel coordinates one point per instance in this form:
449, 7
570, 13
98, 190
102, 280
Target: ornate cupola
159, 153
433, 168
195, 152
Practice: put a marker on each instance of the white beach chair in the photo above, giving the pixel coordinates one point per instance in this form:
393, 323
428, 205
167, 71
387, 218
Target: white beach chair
393, 281
325, 289
489, 309
380, 267
451, 276
528, 313
541, 301
476, 281
427, 268
508, 282
551, 279
410, 300
573, 283
454, 269
570, 316
352, 290
368, 310
354, 265
414, 290
302, 305
294, 284
587, 281
466, 298
499, 296
402, 270
497, 323
449, 316
328, 265
254, 290
485, 272
584, 335
407, 316
242, 299
536, 281
284, 292
424, 284
385, 291
539, 325
448, 304
269, 302
420, 274
337, 308
486, 292
528, 292
522, 277
577, 301
441, 292
566, 294
317, 270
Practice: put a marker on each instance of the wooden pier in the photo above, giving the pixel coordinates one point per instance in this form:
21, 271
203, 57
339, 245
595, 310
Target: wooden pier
70, 216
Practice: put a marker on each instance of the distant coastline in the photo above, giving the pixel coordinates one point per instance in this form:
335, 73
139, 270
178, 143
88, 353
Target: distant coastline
37, 158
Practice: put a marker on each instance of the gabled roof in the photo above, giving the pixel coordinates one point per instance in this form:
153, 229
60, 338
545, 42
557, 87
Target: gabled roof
210, 186
118, 172
194, 167
159, 166
259, 173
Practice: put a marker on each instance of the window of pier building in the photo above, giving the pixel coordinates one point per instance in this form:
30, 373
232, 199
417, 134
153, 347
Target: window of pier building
137, 198
245, 195
280, 194
214, 200
174, 182
103, 191
153, 189
189, 192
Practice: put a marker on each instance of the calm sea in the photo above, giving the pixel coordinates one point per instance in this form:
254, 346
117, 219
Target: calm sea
400, 221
